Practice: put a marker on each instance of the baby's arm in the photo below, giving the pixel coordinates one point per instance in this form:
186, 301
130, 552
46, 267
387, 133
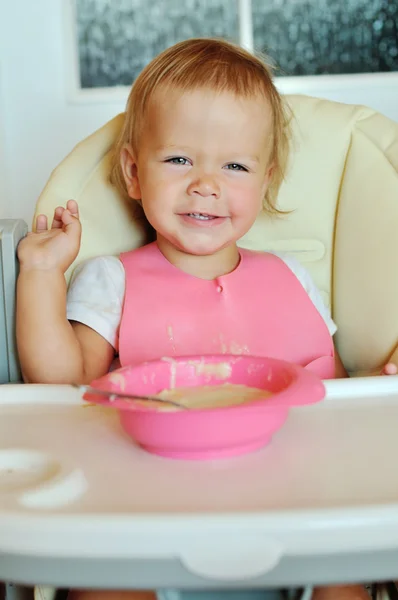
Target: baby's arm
50, 349
340, 371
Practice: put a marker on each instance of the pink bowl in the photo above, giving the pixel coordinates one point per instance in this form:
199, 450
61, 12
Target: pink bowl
210, 433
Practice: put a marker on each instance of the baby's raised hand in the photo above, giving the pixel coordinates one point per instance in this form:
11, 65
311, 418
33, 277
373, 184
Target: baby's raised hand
55, 248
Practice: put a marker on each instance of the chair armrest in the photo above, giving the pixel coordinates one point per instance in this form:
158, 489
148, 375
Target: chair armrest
11, 232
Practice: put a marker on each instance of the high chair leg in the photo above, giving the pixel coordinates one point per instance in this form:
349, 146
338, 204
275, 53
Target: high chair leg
44, 592
307, 593
390, 591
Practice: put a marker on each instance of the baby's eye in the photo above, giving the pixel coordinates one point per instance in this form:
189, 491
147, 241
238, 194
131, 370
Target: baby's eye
235, 167
178, 160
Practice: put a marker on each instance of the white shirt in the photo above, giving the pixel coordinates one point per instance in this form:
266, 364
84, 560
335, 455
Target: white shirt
96, 294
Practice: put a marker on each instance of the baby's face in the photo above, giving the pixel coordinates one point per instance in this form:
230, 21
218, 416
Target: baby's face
203, 168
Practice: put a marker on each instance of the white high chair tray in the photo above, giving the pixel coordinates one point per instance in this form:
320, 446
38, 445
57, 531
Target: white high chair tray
80, 504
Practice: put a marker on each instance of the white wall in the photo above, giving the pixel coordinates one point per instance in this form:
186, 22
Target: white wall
40, 122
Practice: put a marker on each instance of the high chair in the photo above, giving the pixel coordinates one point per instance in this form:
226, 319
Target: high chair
341, 194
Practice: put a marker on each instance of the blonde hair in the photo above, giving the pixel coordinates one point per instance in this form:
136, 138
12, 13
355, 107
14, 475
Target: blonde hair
206, 63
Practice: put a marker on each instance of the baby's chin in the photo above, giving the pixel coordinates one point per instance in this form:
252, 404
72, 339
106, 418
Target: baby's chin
196, 244
204, 249
203, 245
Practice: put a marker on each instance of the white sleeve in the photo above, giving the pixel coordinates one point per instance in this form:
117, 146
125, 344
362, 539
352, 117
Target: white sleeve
308, 284
95, 296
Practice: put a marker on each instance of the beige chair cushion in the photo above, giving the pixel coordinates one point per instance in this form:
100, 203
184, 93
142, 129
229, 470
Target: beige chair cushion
342, 189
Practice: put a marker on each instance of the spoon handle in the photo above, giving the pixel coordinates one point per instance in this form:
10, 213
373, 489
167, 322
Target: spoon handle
113, 395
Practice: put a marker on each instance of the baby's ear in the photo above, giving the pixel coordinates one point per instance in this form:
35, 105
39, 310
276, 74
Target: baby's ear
268, 177
130, 172
270, 171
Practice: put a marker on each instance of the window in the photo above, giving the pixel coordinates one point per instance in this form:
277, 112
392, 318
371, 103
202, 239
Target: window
117, 38
318, 37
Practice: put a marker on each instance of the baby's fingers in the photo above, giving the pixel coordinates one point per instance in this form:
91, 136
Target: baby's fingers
390, 369
73, 208
57, 219
41, 223
71, 223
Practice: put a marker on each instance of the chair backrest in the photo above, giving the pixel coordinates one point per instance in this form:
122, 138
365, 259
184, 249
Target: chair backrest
341, 189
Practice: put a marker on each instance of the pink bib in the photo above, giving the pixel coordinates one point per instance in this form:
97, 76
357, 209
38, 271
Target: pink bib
260, 309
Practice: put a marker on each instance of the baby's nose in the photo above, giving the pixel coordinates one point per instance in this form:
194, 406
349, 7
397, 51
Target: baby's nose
204, 185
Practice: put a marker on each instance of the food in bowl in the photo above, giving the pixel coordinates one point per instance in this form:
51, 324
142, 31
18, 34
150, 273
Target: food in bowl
203, 397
